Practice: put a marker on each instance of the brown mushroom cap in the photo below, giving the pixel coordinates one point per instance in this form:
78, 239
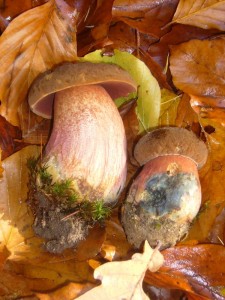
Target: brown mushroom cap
170, 141
115, 80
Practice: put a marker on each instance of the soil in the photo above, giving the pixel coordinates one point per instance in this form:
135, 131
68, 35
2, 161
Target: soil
59, 229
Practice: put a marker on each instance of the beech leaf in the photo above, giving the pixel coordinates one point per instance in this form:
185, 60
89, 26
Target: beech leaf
123, 280
149, 94
194, 73
33, 42
205, 14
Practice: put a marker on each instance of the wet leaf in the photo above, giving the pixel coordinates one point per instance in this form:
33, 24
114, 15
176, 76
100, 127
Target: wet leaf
124, 279
33, 42
198, 270
201, 13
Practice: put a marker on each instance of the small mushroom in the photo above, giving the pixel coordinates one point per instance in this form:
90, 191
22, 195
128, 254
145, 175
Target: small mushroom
87, 146
166, 195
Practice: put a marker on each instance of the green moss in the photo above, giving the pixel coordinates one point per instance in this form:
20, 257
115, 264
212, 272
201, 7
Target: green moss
63, 195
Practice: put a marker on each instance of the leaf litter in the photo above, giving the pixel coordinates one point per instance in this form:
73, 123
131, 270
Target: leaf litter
205, 116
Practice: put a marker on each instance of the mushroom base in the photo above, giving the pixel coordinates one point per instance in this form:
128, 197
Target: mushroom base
52, 224
140, 227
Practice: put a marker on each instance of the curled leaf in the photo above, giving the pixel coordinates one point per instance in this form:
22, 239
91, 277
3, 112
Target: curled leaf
123, 280
149, 95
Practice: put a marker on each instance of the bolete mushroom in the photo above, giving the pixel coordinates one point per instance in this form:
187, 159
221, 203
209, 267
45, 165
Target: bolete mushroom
83, 167
166, 195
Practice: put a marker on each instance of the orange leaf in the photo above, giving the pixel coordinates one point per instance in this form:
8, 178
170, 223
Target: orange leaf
33, 42
197, 68
196, 269
201, 13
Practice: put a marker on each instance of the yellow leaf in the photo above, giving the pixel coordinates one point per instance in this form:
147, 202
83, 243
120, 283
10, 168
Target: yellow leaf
123, 280
204, 14
33, 42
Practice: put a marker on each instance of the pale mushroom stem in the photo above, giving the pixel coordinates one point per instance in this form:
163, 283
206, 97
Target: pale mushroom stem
87, 143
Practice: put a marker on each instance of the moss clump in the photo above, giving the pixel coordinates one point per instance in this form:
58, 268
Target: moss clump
62, 217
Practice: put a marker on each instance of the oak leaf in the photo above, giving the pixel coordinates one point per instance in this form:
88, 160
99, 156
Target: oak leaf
123, 280
205, 14
33, 42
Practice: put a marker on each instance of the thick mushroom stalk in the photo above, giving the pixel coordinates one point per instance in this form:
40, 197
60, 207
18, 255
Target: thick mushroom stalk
166, 196
88, 143
83, 166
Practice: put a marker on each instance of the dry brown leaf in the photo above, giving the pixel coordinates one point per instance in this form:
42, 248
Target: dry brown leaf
123, 280
194, 73
205, 14
33, 42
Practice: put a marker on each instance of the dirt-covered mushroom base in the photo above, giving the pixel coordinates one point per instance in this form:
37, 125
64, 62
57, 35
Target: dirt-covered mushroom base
139, 227
61, 216
60, 230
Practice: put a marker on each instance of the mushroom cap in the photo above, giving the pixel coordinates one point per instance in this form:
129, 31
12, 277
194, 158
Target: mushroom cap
116, 81
171, 141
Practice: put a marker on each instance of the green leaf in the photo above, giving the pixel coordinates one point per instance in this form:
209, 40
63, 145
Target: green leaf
149, 95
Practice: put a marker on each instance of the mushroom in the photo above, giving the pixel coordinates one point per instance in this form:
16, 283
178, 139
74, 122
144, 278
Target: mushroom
165, 197
87, 148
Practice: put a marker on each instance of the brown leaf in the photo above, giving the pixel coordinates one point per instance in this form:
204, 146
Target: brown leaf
196, 269
212, 182
194, 73
201, 13
144, 15
33, 42
10, 138
68, 292
10, 8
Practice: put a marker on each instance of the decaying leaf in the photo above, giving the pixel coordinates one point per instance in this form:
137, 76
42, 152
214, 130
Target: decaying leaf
201, 13
33, 42
123, 280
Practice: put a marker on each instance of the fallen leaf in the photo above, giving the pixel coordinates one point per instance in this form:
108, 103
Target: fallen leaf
169, 106
201, 13
195, 74
10, 138
68, 292
148, 102
212, 182
144, 15
123, 280
199, 270
34, 42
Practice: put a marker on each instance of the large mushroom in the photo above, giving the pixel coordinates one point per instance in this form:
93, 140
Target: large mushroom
166, 196
86, 152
